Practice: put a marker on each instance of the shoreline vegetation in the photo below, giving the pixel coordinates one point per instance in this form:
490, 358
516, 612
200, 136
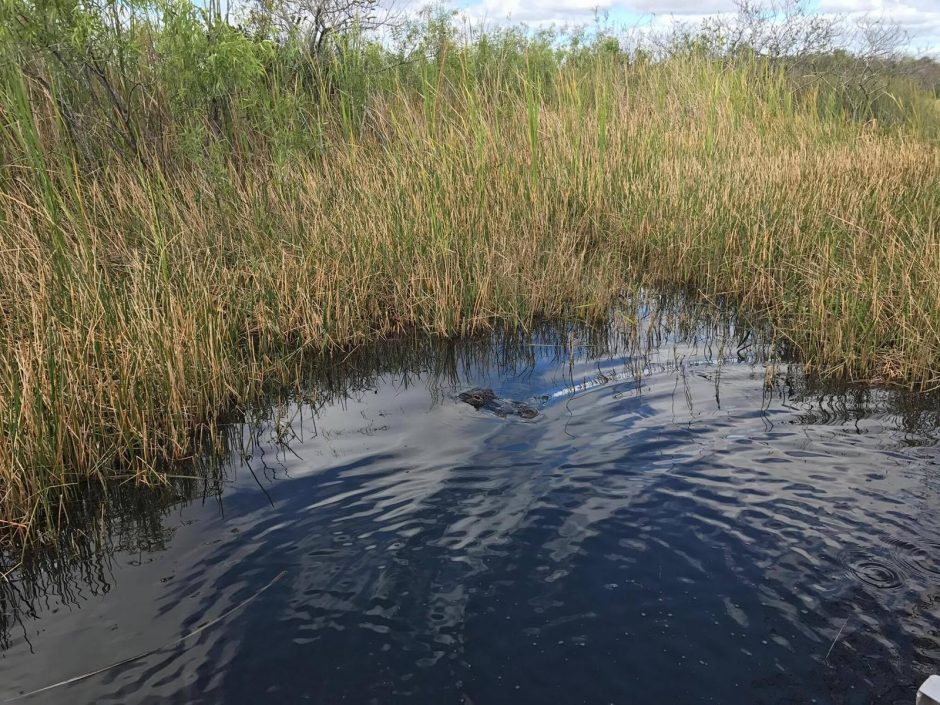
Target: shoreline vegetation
192, 205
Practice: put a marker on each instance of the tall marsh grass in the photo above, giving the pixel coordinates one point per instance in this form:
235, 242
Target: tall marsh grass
174, 239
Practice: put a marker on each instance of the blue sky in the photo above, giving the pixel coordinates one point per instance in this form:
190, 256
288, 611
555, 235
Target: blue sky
920, 19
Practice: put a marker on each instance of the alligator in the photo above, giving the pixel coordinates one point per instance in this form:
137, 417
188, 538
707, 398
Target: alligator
486, 400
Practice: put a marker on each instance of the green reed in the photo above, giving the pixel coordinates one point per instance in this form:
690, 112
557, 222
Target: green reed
189, 211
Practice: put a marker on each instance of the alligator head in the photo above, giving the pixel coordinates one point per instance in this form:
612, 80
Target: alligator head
478, 397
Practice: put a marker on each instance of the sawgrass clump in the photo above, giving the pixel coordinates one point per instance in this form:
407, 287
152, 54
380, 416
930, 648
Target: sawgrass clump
176, 235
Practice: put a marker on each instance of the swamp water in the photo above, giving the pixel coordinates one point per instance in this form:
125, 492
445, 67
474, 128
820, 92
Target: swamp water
685, 524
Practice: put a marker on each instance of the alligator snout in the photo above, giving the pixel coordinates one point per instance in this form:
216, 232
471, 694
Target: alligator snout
478, 397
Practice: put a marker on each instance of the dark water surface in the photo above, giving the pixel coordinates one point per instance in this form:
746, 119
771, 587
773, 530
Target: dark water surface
714, 531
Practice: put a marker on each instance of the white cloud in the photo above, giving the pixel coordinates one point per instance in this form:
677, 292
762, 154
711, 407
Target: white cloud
532, 12
680, 7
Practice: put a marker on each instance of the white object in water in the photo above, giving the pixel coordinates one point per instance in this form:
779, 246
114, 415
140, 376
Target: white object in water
929, 693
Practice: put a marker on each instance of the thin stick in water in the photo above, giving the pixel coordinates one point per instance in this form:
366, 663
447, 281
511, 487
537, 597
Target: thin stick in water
151, 651
837, 638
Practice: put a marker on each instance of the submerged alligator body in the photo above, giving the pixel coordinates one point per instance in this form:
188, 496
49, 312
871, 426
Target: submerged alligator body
486, 400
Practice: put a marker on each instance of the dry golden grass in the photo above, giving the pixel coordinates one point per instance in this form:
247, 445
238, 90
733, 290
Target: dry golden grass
138, 303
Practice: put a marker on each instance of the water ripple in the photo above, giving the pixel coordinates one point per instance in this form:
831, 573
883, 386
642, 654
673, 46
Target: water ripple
872, 570
687, 536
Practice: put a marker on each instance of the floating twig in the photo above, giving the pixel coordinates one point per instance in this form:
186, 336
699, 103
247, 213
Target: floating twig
174, 642
832, 645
